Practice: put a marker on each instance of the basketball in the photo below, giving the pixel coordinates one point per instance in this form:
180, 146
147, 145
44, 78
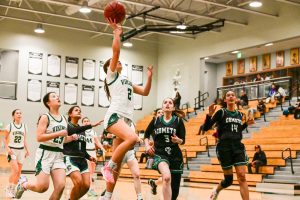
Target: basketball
115, 11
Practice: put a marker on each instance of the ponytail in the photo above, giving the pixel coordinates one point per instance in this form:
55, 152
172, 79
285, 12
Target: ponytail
179, 113
106, 89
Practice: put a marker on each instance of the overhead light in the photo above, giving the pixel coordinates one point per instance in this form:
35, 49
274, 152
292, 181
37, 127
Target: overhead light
235, 52
176, 32
39, 29
127, 44
181, 26
255, 4
269, 44
85, 8
206, 58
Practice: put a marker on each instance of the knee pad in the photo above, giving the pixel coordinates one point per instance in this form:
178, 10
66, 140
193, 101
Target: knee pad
227, 181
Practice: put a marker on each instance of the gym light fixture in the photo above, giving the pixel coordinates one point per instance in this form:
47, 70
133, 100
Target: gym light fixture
85, 8
206, 58
255, 4
181, 26
235, 52
127, 44
39, 29
269, 44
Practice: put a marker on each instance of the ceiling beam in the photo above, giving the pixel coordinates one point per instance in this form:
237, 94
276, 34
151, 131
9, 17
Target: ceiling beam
237, 8
58, 15
289, 2
101, 10
183, 12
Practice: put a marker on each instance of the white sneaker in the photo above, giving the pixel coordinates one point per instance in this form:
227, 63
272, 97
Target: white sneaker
9, 193
19, 188
214, 194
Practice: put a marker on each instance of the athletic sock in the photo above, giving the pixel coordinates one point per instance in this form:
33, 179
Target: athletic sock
112, 165
107, 195
139, 196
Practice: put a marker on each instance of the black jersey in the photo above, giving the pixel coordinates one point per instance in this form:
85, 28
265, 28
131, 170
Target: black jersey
77, 148
162, 131
229, 124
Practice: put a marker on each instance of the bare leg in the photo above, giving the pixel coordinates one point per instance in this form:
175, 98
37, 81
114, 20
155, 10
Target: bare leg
59, 181
163, 167
241, 176
124, 132
135, 170
40, 185
13, 178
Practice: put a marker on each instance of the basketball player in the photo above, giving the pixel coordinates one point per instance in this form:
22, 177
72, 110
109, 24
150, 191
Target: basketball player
92, 143
76, 155
49, 162
15, 143
120, 112
230, 151
151, 182
168, 132
132, 164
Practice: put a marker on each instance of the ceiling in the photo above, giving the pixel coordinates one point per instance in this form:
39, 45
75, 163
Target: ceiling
65, 14
256, 50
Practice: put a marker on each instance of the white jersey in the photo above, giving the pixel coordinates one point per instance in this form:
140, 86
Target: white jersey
55, 125
16, 135
90, 139
121, 92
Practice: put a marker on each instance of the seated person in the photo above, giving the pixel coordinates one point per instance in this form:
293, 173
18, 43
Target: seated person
258, 160
261, 107
280, 95
271, 94
243, 101
258, 78
107, 140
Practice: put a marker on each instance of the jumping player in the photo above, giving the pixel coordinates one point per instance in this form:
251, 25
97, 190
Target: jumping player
15, 143
132, 164
230, 150
168, 132
119, 115
49, 160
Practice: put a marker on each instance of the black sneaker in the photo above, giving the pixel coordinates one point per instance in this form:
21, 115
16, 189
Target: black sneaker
103, 193
151, 182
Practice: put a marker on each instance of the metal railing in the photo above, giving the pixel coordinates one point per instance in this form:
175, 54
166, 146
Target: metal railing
6, 90
186, 106
205, 143
288, 157
186, 158
199, 100
257, 90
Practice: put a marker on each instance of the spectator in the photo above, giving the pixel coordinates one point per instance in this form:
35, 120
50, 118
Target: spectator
271, 94
261, 107
258, 78
177, 98
280, 94
259, 159
243, 101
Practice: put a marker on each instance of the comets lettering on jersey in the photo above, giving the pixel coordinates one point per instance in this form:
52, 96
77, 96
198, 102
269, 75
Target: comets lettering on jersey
168, 130
234, 120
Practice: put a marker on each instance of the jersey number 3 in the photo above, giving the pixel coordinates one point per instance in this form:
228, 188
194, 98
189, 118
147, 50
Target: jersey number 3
129, 93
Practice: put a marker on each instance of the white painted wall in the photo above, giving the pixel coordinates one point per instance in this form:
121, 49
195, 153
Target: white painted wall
20, 36
261, 30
